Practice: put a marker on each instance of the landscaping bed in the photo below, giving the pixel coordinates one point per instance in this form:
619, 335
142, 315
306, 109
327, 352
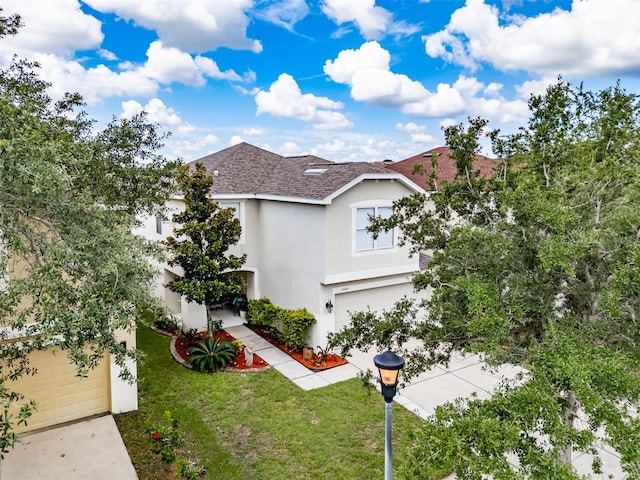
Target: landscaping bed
180, 345
318, 361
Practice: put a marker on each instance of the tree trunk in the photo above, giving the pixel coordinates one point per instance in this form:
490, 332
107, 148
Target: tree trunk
209, 321
568, 418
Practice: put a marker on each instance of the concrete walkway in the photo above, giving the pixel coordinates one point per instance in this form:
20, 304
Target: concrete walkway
464, 376
90, 449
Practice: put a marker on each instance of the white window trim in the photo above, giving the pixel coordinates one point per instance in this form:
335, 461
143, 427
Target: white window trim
375, 204
241, 215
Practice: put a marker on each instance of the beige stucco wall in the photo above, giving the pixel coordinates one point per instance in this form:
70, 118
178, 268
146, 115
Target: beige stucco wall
292, 252
340, 233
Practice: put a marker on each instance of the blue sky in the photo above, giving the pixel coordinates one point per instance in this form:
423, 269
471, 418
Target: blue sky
347, 80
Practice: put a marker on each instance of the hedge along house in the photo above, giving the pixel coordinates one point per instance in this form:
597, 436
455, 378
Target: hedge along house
304, 232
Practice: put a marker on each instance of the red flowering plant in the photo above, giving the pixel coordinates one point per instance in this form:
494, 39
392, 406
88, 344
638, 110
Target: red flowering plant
165, 437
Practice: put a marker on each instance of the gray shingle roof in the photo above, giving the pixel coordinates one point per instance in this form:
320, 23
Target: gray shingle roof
249, 170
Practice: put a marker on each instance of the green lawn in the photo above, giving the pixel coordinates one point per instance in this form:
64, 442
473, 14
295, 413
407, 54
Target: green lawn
259, 425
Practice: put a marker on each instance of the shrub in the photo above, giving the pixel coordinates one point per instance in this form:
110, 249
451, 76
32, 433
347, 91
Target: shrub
159, 316
190, 335
262, 313
289, 326
165, 437
211, 354
295, 327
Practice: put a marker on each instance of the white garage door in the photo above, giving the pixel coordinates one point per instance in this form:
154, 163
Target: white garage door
375, 299
61, 395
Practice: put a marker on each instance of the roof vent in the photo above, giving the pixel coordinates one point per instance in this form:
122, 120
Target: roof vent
314, 171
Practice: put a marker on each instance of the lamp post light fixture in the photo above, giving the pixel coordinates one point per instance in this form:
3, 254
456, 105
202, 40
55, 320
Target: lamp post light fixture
389, 365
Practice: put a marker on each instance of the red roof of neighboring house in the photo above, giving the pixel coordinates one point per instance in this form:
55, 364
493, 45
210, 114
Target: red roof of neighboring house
446, 166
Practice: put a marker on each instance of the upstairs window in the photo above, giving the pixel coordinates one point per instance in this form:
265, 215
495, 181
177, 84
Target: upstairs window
238, 212
364, 238
159, 225
234, 205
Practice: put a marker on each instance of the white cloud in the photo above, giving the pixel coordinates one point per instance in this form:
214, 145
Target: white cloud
410, 127
362, 148
285, 13
163, 66
107, 55
366, 71
190, 147
190, 25
417, 133
534, 87
54, 26
374, 22
93, 83
157, 112
284, 99
167, 65
577, 42
235, 139
423, 138
290, 149
254, 131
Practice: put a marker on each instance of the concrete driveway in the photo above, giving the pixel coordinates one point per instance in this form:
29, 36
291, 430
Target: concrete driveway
89, 449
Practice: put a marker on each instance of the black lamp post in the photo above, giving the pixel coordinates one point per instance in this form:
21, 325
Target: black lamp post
389, 365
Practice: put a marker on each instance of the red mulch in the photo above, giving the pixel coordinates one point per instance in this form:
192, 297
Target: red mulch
239, 363
318, 364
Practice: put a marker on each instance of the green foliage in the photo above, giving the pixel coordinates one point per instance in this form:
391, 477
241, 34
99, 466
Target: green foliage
295, 327
189, 334
8, 437
535, 267
190, 469
201, 243
165, 437
261, 312
9, 25
69, 197
289, 326
215, 326
212, 354
158, 315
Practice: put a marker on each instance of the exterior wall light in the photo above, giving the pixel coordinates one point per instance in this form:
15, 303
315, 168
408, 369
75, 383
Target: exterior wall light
329, 306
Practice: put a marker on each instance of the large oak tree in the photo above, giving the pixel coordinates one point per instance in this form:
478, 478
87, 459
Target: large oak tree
535, 267
72, 272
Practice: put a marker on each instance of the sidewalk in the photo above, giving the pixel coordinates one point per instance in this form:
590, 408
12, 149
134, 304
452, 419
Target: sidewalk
463, 377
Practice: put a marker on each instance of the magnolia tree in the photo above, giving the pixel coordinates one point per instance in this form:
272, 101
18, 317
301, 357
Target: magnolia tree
538, 270
72, 273
201, 243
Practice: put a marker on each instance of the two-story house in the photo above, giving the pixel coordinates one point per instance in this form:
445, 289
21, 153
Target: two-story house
304, 223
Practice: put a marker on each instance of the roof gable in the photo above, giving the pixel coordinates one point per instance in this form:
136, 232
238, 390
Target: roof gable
244, 169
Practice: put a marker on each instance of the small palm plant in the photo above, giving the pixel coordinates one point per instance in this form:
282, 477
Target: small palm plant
212, 354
